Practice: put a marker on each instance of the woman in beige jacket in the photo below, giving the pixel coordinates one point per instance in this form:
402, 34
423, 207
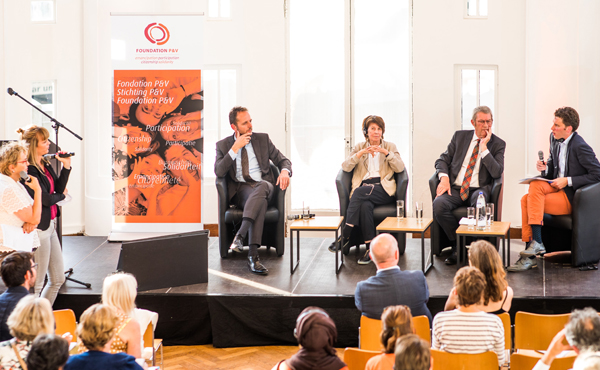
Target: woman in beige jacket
374, 162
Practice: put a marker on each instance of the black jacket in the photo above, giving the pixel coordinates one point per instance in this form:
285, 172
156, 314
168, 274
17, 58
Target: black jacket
48, 200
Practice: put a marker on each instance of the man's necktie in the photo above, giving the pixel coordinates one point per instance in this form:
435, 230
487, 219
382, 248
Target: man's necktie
464, 189
246, 166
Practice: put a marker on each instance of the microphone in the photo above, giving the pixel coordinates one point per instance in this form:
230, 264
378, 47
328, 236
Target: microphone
541, 156
63, 155
11, 91
25, 176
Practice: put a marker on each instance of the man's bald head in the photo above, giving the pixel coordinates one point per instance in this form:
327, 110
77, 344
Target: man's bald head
384, 251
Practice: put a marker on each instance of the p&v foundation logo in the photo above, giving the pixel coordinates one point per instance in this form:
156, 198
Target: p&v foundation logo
157, 33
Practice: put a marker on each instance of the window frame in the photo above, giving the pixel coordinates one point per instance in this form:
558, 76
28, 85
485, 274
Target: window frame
478, 16
53, 21
458, 68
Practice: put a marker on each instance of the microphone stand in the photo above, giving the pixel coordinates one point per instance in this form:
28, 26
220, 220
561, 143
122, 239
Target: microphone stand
55, 125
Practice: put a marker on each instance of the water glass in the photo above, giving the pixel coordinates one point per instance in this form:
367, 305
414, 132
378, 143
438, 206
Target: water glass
471, 217
419, 211
489, 214
400, 209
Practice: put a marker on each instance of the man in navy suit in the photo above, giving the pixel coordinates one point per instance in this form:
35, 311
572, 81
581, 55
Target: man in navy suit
391, 286
18, 274
473, 160
571, 165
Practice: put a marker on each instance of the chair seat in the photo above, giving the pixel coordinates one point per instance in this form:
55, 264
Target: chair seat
560, 222
234, 215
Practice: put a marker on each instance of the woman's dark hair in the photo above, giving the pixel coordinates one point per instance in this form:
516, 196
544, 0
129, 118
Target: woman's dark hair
48, 352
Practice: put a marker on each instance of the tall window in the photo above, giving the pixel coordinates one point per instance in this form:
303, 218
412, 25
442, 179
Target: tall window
219, 9
43, 11
477, 86
43, 94
476, 8
348, 59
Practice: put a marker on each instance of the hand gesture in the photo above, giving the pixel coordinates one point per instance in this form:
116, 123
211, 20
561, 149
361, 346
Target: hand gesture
540, 166
483, 143
241, 141
560, 183
28, 228
443, 186
378, 149
283, 180
66, 162
34, 184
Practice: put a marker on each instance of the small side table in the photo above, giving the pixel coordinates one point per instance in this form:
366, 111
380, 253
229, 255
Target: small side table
498, 229
319, 223
409, 225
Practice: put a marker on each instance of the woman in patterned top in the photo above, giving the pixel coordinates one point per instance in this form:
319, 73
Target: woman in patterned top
31, 317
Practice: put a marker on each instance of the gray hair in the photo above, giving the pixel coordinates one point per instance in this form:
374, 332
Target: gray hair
482, 109
583, 330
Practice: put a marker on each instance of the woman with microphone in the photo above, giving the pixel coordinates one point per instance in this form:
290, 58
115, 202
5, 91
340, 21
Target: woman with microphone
49, 254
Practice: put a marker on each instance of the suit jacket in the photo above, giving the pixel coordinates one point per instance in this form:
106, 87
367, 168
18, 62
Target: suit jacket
8, 301
490, 167
581, 164
48, 200
390, 288
264, 151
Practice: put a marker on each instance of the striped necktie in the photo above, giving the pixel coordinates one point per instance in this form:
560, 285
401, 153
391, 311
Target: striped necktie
464, 189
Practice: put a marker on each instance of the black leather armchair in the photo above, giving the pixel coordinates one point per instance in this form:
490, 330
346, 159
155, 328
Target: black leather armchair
230, 218
439, 240
343, 183
579, 231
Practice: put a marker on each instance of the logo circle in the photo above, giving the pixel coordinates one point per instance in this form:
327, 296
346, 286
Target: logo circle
153, 29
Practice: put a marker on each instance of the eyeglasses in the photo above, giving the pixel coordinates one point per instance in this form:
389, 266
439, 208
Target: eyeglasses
488, 122
35, 265
25, 161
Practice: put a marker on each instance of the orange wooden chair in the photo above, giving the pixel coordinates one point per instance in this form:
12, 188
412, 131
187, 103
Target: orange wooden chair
357, 358
535, 332
65, 322
460, 361
519, 361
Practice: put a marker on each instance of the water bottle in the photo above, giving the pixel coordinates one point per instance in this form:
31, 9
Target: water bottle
480, 212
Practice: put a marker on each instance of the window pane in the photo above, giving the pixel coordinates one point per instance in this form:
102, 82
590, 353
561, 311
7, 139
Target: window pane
42, 94
483, 8
42, 11
487, 87
228, 96
472, 7
225, 9
469, 96
210, 118
317, 100
381, 69
213, 8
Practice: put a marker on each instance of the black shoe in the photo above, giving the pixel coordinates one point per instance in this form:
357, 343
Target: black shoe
451, 260
446, 251
366, 259
341, 242
238, 244
256, 267
332, 247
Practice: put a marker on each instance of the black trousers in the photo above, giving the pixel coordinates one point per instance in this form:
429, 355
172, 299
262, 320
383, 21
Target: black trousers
445, 204
254, 199
360, 209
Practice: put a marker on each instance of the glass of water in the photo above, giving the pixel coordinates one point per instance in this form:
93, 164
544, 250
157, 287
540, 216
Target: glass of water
400, 209
419, 211
489, 215
471, 217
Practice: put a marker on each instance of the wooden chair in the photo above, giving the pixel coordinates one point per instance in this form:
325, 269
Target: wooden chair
505, 317
519, 361
368, 334
459, 361
65, 322
535, 332
421, 324
356, 358
155, 344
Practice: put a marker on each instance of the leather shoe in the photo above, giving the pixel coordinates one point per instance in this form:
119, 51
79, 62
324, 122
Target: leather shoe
523, 264
332, 246
451, 260
256, 267
238, 244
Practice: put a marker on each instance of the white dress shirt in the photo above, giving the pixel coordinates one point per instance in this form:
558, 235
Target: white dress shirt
562, 158
474, 183
372, 166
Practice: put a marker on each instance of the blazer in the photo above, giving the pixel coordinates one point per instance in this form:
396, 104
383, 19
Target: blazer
48, 200
490, 167
8, 301
264, 150
581, 164
393, 287
388, 166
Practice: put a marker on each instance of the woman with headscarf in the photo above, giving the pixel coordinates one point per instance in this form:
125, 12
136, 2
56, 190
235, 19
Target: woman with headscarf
316, 334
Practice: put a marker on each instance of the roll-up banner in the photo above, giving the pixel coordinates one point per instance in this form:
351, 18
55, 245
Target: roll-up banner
157, 119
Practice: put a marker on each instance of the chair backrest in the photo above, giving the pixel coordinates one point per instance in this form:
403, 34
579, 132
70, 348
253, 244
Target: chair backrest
369, 331
357, 359
461, 361
505, 317
534, 331
148, 337
421, 324
520, 361
65, 322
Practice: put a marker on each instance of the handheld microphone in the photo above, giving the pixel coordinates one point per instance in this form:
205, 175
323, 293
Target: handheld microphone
541, 156
10, 91
25, 176
63, 155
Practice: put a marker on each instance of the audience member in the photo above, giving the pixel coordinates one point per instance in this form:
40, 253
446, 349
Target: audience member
497, 296
582, 333
412, 353
48, 352
391, 286
587, 361
31, 317
316, 334
468, 329
397, 321
18, 274
96, 329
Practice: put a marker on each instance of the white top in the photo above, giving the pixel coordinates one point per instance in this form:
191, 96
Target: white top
474, 183
372, 165
13, 198
468, 332
562, 159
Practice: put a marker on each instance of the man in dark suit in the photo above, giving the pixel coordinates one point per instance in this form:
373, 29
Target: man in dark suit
244, 157
571, 165
473, 160
18, 273
391, 286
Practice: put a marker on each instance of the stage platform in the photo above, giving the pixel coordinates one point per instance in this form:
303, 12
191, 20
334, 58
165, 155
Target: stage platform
237, 308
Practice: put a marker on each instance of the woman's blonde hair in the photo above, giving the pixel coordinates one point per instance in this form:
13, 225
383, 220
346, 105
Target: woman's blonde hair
97, 326
9, 154
396, 322
32, 135
483, 255
31, 317
119, 290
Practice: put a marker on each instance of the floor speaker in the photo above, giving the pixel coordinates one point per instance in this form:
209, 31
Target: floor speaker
166, 261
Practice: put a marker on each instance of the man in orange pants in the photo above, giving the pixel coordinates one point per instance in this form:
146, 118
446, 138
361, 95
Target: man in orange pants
571, 165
